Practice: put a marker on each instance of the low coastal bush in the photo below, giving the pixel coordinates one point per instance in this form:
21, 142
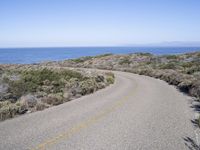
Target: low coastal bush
82, 59
8, 110
30, 88
143, 54
171, 57
168, 66
110, 80
32, 81
125, 60
103, 55
181, 70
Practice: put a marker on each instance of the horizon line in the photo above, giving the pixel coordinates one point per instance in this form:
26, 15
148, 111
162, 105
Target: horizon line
24, 47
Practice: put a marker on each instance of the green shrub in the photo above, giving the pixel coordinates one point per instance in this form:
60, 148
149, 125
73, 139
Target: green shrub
34, 80
9, 110
4, 103
124, 61
82, 59
17, 88
53, 99
23, 107
38, 76
110, 80
4, 113
193, 69
36, 88
40, 106
68, 74
168, 66
171, 56
144, 54
87, 86
104, 55
187, 64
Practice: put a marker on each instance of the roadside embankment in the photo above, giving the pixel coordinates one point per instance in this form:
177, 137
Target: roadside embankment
181, 70
30, 88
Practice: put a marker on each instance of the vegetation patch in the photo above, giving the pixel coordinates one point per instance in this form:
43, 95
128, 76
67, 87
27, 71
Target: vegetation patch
125, 60
181, 70
33, 88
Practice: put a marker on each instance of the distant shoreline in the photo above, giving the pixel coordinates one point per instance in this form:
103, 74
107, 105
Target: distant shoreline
38, 55
52, 47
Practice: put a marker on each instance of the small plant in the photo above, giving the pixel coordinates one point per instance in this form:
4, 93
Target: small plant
124, 61
104, 55
8, 110
143, 54
167, 66
17, 88
171, 56
193, 69
110, 80
82, 59
187, 64
36, 88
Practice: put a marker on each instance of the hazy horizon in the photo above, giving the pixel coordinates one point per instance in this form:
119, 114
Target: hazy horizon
161, 44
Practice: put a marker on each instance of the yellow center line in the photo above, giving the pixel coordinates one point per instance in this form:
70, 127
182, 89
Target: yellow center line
83, 124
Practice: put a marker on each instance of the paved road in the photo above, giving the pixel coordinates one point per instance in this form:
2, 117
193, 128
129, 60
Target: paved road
136, 113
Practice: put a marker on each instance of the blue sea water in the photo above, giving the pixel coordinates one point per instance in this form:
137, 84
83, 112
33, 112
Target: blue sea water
36, 55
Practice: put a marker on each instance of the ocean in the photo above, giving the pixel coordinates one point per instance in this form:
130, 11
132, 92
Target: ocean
36, 55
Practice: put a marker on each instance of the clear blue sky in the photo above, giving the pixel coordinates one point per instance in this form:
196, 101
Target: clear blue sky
97, 22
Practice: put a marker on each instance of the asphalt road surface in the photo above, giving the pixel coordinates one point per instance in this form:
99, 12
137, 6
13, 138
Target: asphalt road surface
135, 113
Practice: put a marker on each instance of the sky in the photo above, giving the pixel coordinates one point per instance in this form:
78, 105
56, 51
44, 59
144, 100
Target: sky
52, 23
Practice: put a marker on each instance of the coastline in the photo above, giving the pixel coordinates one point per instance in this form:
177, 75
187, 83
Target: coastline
39, 55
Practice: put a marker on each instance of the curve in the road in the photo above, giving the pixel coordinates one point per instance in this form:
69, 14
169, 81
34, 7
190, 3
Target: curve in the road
137, 112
